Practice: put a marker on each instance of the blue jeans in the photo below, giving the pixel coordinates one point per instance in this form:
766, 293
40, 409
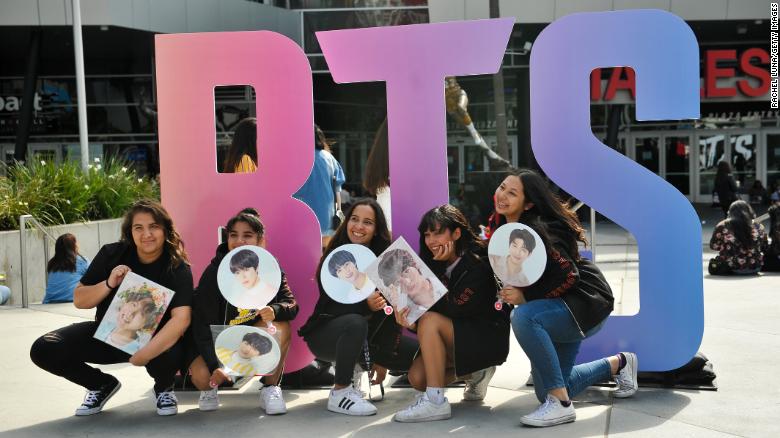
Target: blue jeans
551, 339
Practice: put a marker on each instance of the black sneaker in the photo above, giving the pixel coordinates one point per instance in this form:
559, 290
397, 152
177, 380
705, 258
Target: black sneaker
95, 400
167, 403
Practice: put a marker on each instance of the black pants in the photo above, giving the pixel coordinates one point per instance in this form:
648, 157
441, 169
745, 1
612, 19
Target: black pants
64, 352
341, 340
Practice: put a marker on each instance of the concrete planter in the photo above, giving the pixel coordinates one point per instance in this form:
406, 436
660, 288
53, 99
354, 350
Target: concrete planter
90, 236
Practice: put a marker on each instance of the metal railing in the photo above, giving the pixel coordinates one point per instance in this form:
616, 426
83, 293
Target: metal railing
23, 221
576, 207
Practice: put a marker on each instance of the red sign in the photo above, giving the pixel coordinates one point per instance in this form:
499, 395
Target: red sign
623, 78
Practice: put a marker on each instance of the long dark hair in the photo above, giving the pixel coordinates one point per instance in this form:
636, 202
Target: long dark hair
320, 142
548, 210
64, 254
173, 245
377, 173
740, 222
447, 217
244, 143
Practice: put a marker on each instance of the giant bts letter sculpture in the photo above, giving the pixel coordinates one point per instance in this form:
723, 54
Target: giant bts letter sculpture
413, 61
189, 66
663, 51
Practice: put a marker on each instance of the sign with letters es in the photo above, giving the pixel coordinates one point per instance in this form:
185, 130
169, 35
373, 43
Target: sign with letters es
413, 61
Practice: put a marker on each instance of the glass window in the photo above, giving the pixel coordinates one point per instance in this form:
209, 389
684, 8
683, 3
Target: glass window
711, 151
743, 159
333, 20
678, 162
647, 153
773, 160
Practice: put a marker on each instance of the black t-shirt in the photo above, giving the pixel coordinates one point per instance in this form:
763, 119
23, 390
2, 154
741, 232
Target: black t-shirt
160, 271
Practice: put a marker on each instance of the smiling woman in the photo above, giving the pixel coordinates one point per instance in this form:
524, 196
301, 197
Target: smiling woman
151, 248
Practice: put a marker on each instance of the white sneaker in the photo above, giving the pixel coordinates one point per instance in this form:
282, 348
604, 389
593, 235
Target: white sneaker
477, 384
550, 413
271, 400
208, 400
349, 401
626, 379
423, 409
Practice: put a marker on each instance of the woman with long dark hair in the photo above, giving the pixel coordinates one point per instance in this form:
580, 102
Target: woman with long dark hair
568, 304
725, 186
739, 242
462, 334
340, 333
151, 248
211, 308
64, 270
242, 154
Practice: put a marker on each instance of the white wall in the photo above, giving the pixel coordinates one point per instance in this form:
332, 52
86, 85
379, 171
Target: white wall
90, 236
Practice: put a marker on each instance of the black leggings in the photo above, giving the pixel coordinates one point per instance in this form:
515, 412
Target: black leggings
341, 340
65, 351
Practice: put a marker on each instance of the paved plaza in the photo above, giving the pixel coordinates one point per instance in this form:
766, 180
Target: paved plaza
741, 338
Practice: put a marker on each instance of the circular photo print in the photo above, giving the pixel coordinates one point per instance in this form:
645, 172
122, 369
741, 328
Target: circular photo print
517, 254
343, 274
246, 351
249, 277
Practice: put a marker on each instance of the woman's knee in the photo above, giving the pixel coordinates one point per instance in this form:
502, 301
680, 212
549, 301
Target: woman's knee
431, 322
354, 324
47, 350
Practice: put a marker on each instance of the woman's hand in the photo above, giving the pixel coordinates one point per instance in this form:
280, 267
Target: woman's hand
117, 275
376, 301
267, 314
218, 377
140, 358
400, 318
512, 295
444, 252
377, 374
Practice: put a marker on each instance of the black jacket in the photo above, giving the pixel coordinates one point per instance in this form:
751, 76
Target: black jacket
481, 332
580, 284
211, 308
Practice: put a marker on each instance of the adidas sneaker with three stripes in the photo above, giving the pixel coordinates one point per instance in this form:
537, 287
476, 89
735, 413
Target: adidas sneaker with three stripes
349, 401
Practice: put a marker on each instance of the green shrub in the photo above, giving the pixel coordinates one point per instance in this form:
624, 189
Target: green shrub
63, 193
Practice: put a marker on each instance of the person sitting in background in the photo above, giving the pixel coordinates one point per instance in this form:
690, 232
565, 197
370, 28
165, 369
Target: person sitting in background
758, 193
64, 270
772, 253
242, 155
739, 242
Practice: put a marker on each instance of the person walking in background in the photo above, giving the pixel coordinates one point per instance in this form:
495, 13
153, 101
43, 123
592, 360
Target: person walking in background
64, 270
242, 154
321, 192
725, 186
739, 242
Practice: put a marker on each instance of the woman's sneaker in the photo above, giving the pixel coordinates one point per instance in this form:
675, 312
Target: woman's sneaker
208, 400
626, 378
550, 413
167, 403
423, 409
349, 401
95, 400
477, 384
271, 400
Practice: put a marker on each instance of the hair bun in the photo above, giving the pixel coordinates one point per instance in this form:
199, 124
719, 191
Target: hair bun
249, 210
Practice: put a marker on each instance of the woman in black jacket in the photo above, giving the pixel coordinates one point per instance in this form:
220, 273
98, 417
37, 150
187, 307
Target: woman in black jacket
463, 333
568, 304
354, 335
211, 308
